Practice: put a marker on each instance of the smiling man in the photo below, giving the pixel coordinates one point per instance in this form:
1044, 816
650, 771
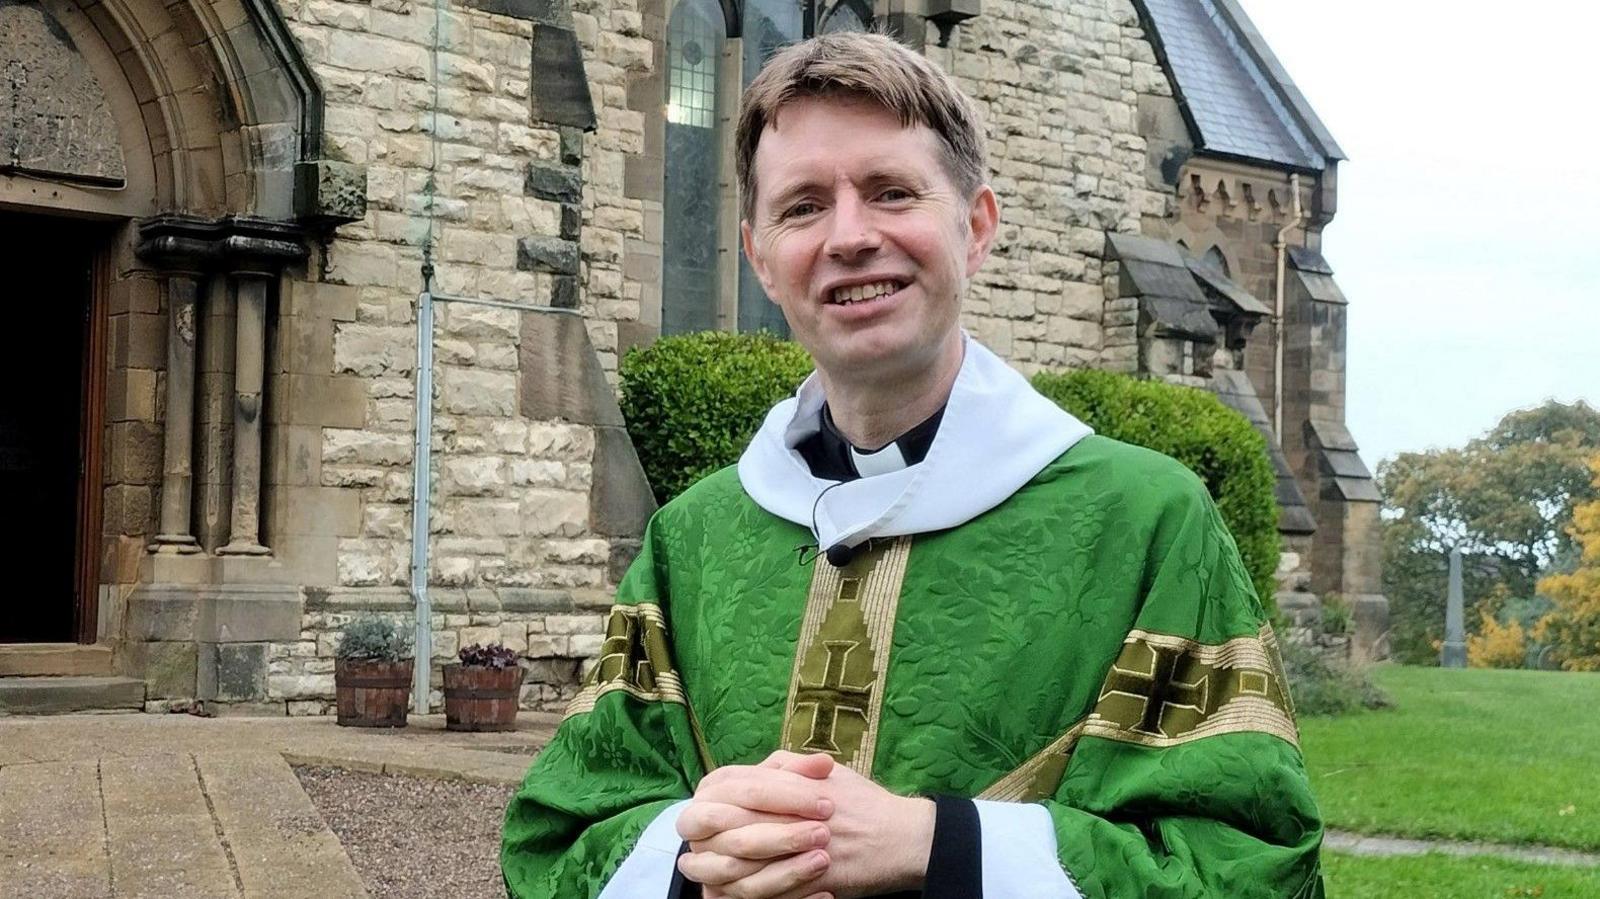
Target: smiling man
931, 636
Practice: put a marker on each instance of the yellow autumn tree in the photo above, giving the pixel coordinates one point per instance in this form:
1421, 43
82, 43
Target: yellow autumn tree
1573, 628
1497, 645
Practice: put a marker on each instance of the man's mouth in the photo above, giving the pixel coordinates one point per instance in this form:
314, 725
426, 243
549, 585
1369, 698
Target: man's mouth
864, 293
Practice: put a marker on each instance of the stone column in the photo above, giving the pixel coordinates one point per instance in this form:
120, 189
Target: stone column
1454, 652
177, 479
249, 367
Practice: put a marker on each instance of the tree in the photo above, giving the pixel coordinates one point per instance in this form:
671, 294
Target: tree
1573, 628
1505, 500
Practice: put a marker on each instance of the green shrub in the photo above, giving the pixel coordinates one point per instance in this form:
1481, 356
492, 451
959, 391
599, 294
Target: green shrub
373, 638
693, 401
1194, 427
1321, 685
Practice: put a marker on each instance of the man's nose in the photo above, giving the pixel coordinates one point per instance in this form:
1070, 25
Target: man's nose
852, 232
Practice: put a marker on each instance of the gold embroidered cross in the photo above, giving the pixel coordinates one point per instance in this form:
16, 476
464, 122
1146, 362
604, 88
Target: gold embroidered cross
1158, 689
831, 697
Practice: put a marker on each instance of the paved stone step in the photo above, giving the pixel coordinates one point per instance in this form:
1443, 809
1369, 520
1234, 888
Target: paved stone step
50, 695
53, 659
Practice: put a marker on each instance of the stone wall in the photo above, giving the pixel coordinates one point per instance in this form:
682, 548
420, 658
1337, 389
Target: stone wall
1059, 83
507, 200
555, 631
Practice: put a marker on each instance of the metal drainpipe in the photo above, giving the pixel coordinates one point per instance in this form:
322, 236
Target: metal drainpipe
421, 467
1282, 246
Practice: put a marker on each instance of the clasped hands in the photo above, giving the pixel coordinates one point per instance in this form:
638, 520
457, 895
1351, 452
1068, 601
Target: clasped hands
802, 827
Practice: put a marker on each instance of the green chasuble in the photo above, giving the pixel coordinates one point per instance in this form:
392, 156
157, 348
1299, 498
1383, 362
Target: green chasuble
1092, 644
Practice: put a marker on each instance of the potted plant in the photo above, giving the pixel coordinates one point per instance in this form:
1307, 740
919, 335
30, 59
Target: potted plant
372, 673
481, 692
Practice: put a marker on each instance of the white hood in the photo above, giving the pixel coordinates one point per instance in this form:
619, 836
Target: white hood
996, 434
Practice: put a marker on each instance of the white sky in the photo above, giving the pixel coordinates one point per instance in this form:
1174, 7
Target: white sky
1466, 237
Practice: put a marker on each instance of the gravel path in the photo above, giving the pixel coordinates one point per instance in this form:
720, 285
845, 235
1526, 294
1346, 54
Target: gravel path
412, 837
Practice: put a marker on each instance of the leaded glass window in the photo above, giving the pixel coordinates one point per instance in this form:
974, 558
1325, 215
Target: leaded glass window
846, 15
691, 239
769, 26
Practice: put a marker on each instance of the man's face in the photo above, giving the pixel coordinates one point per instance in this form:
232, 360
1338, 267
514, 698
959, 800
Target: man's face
862, 238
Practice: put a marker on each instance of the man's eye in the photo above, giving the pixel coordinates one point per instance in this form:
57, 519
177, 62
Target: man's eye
800, 209
894, 195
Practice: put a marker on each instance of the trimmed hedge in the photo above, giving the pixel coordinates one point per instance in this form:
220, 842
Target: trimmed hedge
693, 401
1194, 427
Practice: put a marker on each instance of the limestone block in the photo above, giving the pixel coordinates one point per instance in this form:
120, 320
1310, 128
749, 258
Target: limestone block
484, 517
233, 672
301, 686
472, 475
585, 646
479, 635
574, 624
451, 570
514, 636
466, 391
371, 53
364, 447
482, 322
446, 644
552, 513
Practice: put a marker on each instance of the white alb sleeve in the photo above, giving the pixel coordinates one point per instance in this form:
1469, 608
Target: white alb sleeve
1019, 853
647, 871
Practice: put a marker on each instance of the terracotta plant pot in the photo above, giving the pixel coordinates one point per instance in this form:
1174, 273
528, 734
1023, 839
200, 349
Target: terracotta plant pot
372, 694
479, 698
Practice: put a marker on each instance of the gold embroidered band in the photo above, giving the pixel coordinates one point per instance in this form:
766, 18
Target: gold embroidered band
1038, 777
635, 658
1162, 691
836, 691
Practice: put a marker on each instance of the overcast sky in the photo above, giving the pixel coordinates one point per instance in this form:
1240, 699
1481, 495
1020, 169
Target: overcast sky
1466, 237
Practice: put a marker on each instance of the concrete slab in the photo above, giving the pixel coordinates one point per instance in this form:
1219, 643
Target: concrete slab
175, 806
162, 838
279, 842
52, 838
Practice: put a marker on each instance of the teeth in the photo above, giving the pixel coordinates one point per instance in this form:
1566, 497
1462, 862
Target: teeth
845, 296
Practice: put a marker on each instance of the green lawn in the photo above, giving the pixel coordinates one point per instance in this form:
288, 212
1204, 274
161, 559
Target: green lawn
1447, 877
1506, 756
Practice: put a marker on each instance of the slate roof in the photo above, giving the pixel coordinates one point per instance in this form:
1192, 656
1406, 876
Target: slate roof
1236, 96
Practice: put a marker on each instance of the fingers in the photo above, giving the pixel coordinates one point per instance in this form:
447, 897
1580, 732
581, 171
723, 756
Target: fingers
702, 820
815, 765
789, 878
765, 841
765, 790
712, 869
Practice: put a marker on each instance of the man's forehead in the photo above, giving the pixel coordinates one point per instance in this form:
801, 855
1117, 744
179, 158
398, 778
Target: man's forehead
801, 145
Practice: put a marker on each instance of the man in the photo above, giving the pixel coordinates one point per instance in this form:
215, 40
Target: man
986, 601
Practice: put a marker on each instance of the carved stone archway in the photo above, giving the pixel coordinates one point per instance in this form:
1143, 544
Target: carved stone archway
192, 130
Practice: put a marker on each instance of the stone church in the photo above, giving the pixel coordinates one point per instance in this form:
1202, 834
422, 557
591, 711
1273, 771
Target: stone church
219, 219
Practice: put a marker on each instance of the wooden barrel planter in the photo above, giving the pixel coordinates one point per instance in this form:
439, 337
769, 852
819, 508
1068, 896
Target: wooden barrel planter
480, 698
372, 694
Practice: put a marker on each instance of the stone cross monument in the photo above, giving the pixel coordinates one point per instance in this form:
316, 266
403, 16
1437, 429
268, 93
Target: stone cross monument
1454, 653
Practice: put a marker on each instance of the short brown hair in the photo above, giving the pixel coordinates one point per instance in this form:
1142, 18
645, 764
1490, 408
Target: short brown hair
871, 67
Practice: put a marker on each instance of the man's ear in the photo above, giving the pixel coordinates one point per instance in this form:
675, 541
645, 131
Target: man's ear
983, 223
758, 263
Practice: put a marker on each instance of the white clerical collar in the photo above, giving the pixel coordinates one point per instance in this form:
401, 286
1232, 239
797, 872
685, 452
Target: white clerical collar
997, 433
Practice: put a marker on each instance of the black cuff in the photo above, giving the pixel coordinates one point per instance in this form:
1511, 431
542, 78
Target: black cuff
682, 887
955, 861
